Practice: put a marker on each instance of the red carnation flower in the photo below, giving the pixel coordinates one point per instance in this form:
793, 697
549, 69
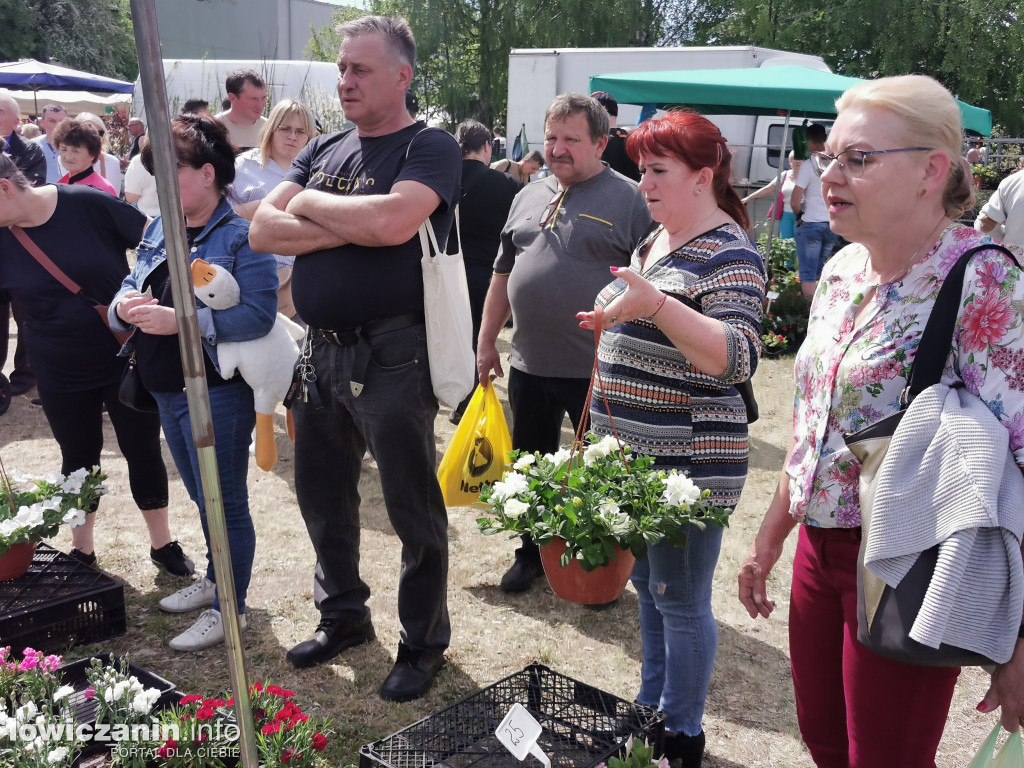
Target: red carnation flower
319, 742
190, 699
270, 729
287, 755
205, 714
169, 749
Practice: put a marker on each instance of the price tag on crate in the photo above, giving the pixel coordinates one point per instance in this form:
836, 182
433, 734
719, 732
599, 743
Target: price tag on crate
519, 732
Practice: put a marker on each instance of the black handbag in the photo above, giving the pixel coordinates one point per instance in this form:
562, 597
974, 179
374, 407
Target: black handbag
132, 393
885, 615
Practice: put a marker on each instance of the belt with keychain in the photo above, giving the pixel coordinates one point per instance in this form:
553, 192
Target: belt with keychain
304, 377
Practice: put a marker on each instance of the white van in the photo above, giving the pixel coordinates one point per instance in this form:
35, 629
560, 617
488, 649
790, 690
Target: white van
312, 82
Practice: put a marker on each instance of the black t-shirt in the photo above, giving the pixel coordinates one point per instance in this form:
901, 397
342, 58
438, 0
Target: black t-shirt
483, 208
615, 155
350, 285
70, 348
159, 357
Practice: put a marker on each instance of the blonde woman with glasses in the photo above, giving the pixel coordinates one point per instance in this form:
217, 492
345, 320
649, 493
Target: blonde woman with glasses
894, 184
257, 171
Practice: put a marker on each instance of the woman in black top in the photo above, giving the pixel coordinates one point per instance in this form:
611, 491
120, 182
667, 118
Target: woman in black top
484, 202
73, 354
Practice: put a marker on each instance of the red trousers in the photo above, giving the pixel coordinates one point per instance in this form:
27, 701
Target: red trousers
855, 708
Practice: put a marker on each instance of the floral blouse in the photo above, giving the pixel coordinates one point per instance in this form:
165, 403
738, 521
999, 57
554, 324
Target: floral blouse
849, 378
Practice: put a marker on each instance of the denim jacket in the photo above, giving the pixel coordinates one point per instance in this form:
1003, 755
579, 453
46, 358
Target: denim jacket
224, 241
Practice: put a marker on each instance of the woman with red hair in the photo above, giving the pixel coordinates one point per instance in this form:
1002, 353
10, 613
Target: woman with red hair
683, 328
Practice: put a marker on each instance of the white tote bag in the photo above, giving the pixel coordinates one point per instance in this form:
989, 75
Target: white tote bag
449, 319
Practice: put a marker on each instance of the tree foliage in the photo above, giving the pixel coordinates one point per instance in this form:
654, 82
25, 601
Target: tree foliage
91, 35
974, 47
463, 45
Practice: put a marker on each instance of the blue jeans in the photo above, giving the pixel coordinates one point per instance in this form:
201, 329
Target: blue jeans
234, 417
814, 244
393, 416
787, 225
678, 631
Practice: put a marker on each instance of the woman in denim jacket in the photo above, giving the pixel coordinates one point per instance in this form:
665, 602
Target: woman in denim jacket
206, 168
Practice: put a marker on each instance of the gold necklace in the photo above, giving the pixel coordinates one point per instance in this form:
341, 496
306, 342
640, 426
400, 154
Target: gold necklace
910, 262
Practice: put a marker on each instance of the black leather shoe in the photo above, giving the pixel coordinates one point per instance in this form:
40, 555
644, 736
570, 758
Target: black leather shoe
22, 387
330, 639
412, 675
521, 575
683, 750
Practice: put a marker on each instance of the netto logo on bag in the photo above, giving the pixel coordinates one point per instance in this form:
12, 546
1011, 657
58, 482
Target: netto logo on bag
480, 458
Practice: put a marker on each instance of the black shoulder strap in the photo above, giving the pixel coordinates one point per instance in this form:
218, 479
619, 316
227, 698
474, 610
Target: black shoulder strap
937, 338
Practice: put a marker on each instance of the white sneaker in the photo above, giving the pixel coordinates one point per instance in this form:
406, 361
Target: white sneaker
206, 632
198, 594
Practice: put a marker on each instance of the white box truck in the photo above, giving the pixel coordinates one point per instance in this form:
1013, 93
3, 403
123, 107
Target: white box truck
312, 82
536, 76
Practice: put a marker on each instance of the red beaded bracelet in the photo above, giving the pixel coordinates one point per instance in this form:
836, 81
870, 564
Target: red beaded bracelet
661, 303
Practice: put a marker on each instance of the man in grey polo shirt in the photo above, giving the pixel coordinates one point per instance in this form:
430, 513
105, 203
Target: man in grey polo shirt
562, 235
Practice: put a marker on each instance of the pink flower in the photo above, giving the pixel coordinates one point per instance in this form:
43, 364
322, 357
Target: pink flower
985, 322
90, 693
992, 274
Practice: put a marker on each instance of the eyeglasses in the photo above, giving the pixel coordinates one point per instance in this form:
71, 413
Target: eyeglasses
855, 159
299, 132
552, 209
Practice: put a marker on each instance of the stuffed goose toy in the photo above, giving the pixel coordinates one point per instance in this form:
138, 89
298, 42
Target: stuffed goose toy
266, 363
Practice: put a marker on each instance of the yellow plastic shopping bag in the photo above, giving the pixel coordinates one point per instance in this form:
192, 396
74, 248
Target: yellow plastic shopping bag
478, 451
1010, 756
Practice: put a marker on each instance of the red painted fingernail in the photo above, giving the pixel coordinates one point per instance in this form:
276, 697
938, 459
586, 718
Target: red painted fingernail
982, 707
614, 269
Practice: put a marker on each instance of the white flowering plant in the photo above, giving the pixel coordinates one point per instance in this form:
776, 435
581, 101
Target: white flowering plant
602, 496
121, 700
34, 508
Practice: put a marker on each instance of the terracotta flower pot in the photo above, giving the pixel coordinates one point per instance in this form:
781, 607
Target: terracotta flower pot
17, 560
572, 583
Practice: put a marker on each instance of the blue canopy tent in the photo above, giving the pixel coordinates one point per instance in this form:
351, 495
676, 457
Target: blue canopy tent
35, 76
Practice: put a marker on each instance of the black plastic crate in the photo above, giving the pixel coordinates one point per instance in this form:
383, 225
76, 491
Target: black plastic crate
58, 604
73, 674
583, 726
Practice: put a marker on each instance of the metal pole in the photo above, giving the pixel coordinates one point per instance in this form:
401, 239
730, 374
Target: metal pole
147, 41
778, 189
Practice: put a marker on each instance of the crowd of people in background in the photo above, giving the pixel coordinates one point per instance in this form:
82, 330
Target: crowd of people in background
637, 230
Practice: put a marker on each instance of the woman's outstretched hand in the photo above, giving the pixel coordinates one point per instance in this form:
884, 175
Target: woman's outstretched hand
640, 299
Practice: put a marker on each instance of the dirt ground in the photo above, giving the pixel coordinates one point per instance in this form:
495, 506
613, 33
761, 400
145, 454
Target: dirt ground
750, 719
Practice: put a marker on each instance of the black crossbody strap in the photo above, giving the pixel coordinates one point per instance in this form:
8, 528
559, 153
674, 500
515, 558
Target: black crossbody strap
937, 338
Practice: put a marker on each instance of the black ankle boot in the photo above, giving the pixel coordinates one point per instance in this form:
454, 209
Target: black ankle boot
688, 749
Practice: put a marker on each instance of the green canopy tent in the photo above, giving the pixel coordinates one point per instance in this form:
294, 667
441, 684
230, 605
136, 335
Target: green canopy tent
792, 91
801, 91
